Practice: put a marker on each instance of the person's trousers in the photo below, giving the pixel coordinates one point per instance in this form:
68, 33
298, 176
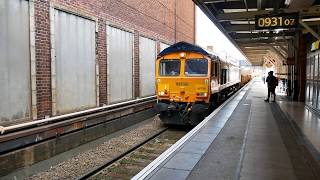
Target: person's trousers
272, 91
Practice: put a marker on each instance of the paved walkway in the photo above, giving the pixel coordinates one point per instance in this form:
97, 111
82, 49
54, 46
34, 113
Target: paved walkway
257, 148
265, 155
247, 139
305, 118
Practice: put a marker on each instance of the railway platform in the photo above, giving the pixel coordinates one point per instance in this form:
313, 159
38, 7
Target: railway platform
246, 138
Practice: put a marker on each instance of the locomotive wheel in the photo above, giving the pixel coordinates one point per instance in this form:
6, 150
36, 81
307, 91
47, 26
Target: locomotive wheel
171, 118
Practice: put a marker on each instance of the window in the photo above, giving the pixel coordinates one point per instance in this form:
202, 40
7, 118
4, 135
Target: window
169, 67
228, 76
196, 67
223, 77
212, 69
216, 69
313, 84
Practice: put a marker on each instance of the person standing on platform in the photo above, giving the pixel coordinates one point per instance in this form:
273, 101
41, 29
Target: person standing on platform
272, 82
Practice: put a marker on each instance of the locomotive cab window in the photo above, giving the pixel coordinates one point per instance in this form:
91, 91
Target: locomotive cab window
196, 67
169, 67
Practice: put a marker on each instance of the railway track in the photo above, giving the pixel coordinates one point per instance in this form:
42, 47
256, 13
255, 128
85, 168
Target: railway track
20, 144
136, 158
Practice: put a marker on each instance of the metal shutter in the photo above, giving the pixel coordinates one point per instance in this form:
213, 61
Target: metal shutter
120, 61
147, 66
75, 62
15, 87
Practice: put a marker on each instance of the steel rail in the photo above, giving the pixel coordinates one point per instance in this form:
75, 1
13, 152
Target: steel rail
98, 169
70, 115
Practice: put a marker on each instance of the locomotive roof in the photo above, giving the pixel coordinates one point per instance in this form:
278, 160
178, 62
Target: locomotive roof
183, 46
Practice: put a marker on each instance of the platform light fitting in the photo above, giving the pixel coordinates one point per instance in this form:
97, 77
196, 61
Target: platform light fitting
311, 19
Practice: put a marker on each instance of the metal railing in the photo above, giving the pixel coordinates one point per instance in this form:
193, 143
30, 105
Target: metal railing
70, 115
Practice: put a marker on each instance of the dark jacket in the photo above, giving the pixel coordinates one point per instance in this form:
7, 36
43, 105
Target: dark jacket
272, 81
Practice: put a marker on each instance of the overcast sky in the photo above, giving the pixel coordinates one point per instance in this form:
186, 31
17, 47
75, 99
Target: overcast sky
207, 34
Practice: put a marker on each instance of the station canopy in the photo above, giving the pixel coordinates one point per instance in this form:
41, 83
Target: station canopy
263, 30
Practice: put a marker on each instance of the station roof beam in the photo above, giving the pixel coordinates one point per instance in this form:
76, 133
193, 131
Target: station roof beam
236, 19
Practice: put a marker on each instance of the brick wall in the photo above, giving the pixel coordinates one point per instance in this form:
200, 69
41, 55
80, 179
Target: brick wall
43, 57
102, 59
136, 64
151, 18
185, 21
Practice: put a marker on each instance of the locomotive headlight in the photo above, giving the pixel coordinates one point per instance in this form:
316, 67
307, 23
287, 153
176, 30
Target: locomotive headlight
202, 94
182, 55
161, 93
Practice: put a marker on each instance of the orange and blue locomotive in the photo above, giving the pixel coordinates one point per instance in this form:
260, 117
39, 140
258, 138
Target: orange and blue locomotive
190, 82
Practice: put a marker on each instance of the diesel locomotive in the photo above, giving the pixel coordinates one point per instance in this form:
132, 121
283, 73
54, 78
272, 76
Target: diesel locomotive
190, 82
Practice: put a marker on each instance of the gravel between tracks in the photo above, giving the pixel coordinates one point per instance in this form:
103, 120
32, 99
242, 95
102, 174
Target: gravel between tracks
84, 162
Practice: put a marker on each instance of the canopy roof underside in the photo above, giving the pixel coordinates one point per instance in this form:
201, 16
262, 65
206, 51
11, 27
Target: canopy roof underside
236, 19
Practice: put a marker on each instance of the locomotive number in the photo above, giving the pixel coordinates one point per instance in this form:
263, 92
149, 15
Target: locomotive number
182, 84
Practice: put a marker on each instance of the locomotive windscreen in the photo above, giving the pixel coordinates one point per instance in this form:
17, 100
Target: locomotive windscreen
169, 67
196, 67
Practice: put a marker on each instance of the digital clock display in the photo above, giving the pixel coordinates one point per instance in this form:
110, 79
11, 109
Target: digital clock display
269, 21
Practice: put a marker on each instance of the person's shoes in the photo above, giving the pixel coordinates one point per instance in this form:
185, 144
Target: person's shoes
266, 100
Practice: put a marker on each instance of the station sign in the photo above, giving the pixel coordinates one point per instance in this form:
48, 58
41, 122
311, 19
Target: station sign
277, 21
315, 45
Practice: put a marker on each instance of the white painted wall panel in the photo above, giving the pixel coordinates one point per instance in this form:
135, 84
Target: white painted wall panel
120, 62
75, 62
163, 46
15, 92
147, 66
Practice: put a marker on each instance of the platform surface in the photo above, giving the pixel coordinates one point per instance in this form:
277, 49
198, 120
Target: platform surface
306, 120
247, 139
